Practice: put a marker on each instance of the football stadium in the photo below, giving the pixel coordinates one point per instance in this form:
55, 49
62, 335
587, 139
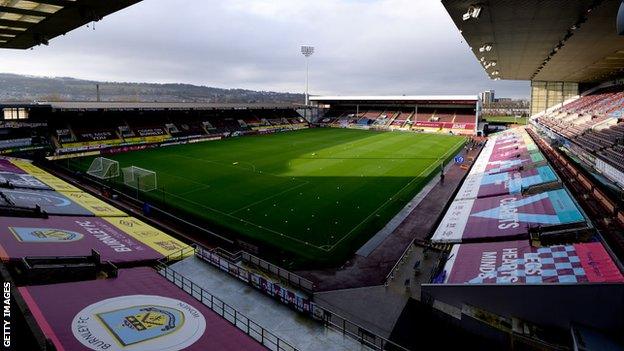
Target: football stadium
345, 222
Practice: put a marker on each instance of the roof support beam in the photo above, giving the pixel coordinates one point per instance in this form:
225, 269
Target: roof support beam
66, 16
11, 31
62, 3
15, 24
24, 12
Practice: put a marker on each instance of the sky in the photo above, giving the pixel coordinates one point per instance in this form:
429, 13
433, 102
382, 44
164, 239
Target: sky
364, 47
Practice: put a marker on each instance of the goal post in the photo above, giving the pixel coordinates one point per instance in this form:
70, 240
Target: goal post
103, 168
140, 178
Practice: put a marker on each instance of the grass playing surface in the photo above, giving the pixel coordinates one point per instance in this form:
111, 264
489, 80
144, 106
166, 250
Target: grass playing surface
505, 119
317, 194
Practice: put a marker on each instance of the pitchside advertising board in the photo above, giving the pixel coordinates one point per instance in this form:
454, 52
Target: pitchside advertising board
510, 216
117, 239
137, 311
486, 185
288, 297
517, 262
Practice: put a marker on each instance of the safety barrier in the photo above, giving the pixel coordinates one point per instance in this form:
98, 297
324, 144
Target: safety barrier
239, 320
227, 263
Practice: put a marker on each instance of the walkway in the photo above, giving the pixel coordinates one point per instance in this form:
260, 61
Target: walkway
302, 332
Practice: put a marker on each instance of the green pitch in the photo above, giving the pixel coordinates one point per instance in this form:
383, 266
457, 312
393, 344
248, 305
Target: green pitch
505, 119
315, 194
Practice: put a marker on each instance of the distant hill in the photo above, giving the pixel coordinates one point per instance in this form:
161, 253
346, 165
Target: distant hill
15, 87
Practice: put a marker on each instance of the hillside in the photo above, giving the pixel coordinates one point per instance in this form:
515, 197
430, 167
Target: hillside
28, 88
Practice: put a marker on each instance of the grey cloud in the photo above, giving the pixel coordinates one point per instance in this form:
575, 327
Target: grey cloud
363, 47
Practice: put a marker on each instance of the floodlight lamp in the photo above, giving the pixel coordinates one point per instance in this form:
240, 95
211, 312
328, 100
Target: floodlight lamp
473, 12
476, 11
493, 63
307, 50
486, 48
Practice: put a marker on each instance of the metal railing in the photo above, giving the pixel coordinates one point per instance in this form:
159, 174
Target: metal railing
327, 317
239, 320
355, 331
399, 263
292, 278
223, 264
178, 255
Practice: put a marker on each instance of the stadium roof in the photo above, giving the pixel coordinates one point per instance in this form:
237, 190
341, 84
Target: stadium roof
122, 106
555, 40
398, 98
27, 23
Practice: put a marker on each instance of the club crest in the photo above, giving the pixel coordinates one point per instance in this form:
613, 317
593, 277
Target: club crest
139, 323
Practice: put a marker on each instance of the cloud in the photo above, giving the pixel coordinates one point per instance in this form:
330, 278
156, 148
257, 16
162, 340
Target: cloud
362, 47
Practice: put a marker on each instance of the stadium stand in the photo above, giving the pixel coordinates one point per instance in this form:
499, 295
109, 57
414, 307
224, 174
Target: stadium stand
18, 134
587, 112
591, 127
435, 114
517, 231
401, 119
614, 156
77, 127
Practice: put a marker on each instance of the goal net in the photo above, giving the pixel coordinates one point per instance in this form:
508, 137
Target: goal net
139, 178
103, 168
